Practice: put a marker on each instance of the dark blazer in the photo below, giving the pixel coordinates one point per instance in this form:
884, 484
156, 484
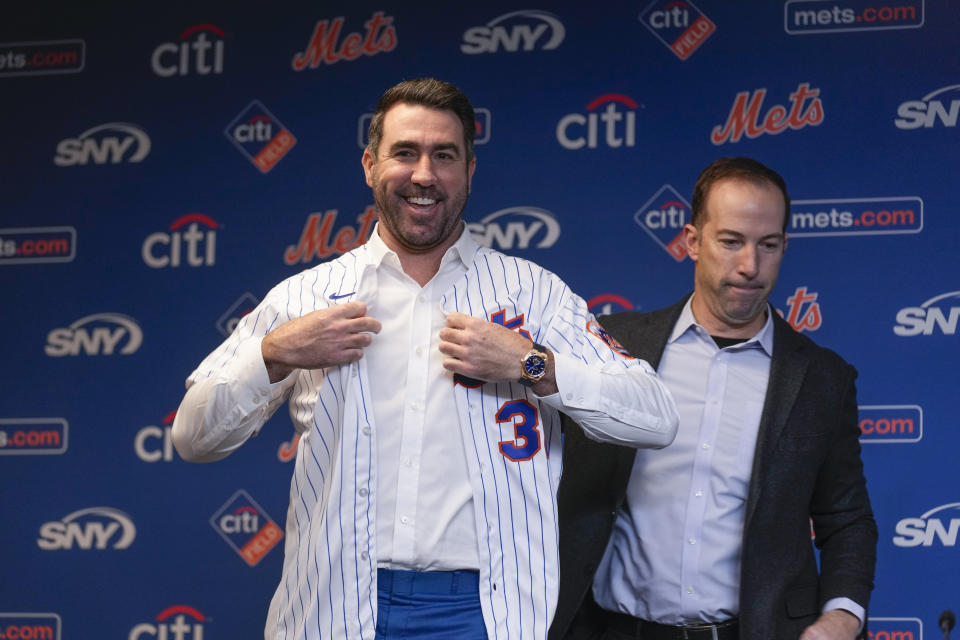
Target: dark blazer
807, 465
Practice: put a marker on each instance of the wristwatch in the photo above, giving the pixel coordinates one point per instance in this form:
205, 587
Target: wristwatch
533, 365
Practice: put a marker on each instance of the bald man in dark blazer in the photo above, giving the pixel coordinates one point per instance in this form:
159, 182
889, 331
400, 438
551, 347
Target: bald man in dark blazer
805, 469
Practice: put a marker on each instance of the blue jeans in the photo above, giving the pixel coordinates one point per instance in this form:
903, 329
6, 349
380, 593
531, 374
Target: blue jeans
429, 604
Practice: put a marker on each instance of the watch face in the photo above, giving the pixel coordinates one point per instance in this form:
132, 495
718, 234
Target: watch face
535, 366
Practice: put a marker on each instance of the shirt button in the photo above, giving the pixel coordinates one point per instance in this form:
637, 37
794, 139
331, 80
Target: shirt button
256, 399
363, 555
705, 445
692, 541
366, 431
421, 299
689, 589
363, 492
419, 351
405, 520
408, 462
699, 493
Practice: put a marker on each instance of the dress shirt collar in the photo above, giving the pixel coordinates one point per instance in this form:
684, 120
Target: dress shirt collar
462, 250
686, 322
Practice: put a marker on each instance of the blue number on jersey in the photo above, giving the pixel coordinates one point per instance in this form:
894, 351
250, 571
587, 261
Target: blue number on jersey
526, 438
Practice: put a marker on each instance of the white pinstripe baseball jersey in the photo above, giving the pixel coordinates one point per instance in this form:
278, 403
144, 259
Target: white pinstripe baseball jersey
511, 438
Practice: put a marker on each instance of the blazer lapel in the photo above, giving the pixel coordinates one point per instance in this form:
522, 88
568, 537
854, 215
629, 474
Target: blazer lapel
787, 370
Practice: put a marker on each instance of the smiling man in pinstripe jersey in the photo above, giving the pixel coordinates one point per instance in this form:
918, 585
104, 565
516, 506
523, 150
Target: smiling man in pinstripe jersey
425, 374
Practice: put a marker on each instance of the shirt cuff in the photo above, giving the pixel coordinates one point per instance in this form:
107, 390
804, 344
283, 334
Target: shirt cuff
847, 605
578, 386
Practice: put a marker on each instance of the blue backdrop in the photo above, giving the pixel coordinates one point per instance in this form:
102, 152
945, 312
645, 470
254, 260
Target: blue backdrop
162, 168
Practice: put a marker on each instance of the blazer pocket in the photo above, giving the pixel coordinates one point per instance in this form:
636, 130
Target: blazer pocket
801, 602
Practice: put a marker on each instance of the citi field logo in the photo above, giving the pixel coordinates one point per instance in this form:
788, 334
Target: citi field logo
895, 629
33, 436
246, 527
110, 143
232, 316
21, 245
806, 109
941, 106
41, 626
891, 423
317, 240
680, 26
199, 51
930, 317
260, 136
515, 31
802, 17
42, 58
939, 526
607, 303
578, 130
155, 443
93, 528
663, 217
481, 127
380, 36
803, 311
516, 228
162, 249
178, 622
99, 334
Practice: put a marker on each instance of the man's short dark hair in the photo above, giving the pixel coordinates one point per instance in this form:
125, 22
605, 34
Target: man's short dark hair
738, 169
427, 92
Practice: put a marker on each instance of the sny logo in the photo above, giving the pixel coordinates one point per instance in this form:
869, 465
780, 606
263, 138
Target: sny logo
926, 111
381, 37
615, 136
91, 528
925, 530
745, 118
193, 238
104, 144
802, 317
663, 217
246, 527
150, 453
172, 58
260, 136
178, 622
913, 321
232, 316
317, 241
515, 31
681, 26
891, 423
516, 228
33, 436
97, 334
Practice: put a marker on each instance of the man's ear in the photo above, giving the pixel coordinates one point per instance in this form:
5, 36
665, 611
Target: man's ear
691, 241
367, 160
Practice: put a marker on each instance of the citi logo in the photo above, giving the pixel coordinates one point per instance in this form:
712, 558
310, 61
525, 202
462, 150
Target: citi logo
806, 109
681, 26
663, 217
577, 130
110, 143
179, 622
607, 303
933, 315
195, 53
232, 316
515, 31
153, 443
927, 111
163, 249
516, 228
92, 528
927, 530
97, 334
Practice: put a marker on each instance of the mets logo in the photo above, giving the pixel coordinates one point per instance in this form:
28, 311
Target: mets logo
594, 327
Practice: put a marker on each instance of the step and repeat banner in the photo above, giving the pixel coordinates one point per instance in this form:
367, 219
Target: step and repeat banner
162, 168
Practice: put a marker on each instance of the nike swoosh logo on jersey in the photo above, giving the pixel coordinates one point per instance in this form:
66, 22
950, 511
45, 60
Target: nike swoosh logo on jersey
337, 296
